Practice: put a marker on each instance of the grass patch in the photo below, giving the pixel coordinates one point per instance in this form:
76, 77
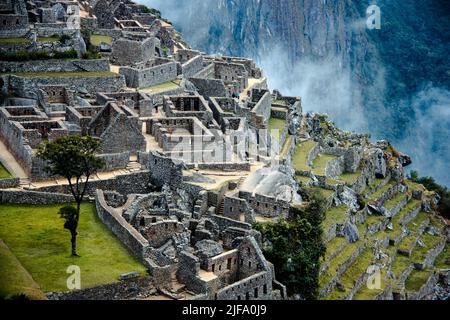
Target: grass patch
399, 265
334, 245
399, 197
443, 260
64, 74
286, 146
382, 190
417, 279
35, 235
303, 180
300, 158
277, 124
334, 216
96, 39
413, 227
320, 163
325, 192
4, 173
167, 86
352, 274
350, 178
15, 279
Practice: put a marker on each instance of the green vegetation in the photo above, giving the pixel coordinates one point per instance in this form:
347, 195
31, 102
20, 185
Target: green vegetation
324, 192
64, 74
15, 279
335, 215
350, 178
277, 124
35, 236
4, 173
443, 260
417, 279
320, 163
96, 39
374, 196
297, 247
392, 203
74, 158
349, 277
432, 185
167, 86
300, 158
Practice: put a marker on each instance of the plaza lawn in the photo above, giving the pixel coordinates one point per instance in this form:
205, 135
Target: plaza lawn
15, 279
163, 87
96, 39
277, 124
4, 174
35, 235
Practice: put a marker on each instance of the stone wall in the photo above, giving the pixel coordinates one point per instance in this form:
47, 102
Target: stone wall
115, 161
33, 197
133, 183
192, 66
55, 65
113, 219
164, 170
209, 87
147, 77
127, 52
9, 183
28, 86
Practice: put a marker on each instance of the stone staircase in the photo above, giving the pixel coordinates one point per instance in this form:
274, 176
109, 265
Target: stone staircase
133, 166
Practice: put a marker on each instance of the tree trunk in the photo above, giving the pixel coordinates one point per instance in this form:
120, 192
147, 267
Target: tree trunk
73, 240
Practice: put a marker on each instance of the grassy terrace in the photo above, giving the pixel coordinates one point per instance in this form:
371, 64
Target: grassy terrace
15, 279
64, 74
96, 39
399, 265
381, 191
302, 179
4, 173
26, 40
399, 197
365, 293
320, 163
417, 279
277, 124
337, 261
334, 245
335, 215
300, 158
350, 178
35, 235
287, 144
443, 260
167, 86
358, 268
325, 192
413, 226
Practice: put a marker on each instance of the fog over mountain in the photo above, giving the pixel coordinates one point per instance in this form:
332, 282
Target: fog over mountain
393, 82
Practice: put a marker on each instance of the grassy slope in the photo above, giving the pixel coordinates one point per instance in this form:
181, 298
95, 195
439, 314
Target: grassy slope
15, 279
36, 236
4, 174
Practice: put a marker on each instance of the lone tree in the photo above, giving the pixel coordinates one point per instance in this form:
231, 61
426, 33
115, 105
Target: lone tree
72, 157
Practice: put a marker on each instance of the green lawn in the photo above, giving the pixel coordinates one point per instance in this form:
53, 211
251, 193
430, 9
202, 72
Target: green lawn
350, 178
4, 174
64, 74
335, 215
15, 279
167, 86
300, 158
35, 235
320, 163
96, 39
277, 124
417, 279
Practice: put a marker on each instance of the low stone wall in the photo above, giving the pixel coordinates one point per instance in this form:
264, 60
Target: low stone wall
33, 197
224, 166
129, 236
9, 183
115, 160
55, 65
138, 288
28, 86
133, 183
335, 167
426, 289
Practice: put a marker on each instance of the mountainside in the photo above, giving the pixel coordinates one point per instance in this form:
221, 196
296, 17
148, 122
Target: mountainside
392, 82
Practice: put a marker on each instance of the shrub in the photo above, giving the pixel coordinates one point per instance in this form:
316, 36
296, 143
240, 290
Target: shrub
91, 54
69, 54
